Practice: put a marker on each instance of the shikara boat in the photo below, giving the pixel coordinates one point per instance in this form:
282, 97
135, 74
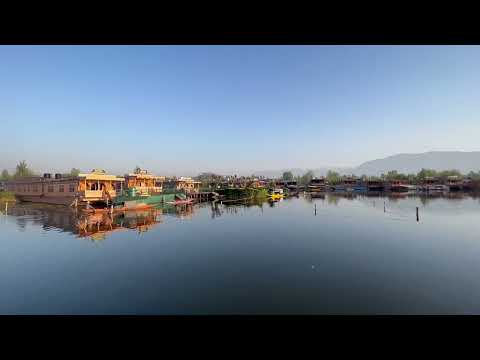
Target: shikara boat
276, 194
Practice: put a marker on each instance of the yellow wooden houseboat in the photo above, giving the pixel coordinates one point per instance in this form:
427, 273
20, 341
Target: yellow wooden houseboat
144, 183
97, 186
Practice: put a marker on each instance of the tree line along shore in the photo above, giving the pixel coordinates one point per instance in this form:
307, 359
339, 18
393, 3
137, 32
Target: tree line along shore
212, 180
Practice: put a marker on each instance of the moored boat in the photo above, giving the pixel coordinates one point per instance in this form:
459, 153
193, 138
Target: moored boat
431, 184
276, 193
291, 185
360, 186
95, 187
180, 202
400, 186
454, 183
375, 185
317, 185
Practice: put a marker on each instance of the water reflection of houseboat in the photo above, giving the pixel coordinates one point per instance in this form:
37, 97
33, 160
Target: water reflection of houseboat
316, 195
96, 226
373, 193
317, 185
349, 195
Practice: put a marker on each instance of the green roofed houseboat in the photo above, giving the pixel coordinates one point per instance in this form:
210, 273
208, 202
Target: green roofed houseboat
144, 190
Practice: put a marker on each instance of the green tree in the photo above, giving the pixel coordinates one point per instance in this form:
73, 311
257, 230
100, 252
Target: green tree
473, 175
307, 177
422, 174
22, 170
5, 175
287, 175
446, 173
74, 172
333, 177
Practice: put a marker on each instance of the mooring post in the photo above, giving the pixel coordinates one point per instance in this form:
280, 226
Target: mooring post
417, 213
315, 209
383, 205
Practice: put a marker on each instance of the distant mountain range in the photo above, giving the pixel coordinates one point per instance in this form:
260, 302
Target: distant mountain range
404, 163
412, 163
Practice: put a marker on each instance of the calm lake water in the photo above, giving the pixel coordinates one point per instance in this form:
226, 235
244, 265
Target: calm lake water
351, 257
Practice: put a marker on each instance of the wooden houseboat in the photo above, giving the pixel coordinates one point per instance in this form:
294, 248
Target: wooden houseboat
347, 184
188, 185
360, 185
432, 184
468, 184
96, 186
454, 183
317, 185
375, 185
144, 183
291, 185
400, 186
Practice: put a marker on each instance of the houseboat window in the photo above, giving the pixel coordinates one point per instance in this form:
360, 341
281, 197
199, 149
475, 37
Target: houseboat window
71, 188
50, 188
61, 188
94, 186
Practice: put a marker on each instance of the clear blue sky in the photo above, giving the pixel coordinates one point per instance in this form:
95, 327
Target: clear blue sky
186, 109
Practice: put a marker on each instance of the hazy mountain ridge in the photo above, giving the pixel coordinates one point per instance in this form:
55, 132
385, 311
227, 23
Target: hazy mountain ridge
405, 163
412, 163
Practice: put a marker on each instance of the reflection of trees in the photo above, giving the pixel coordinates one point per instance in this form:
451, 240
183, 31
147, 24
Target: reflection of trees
182, 211
333, 199
216, 212
21, 223
218, 209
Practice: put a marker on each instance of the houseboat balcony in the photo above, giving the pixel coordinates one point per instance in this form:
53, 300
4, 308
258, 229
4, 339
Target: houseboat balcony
96, 194
91, 194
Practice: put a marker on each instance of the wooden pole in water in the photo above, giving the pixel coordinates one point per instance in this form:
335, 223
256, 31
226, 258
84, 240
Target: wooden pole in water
417, 213
315, 209
384, 206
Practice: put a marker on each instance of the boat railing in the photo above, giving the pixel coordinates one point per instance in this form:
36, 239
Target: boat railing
93, 194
